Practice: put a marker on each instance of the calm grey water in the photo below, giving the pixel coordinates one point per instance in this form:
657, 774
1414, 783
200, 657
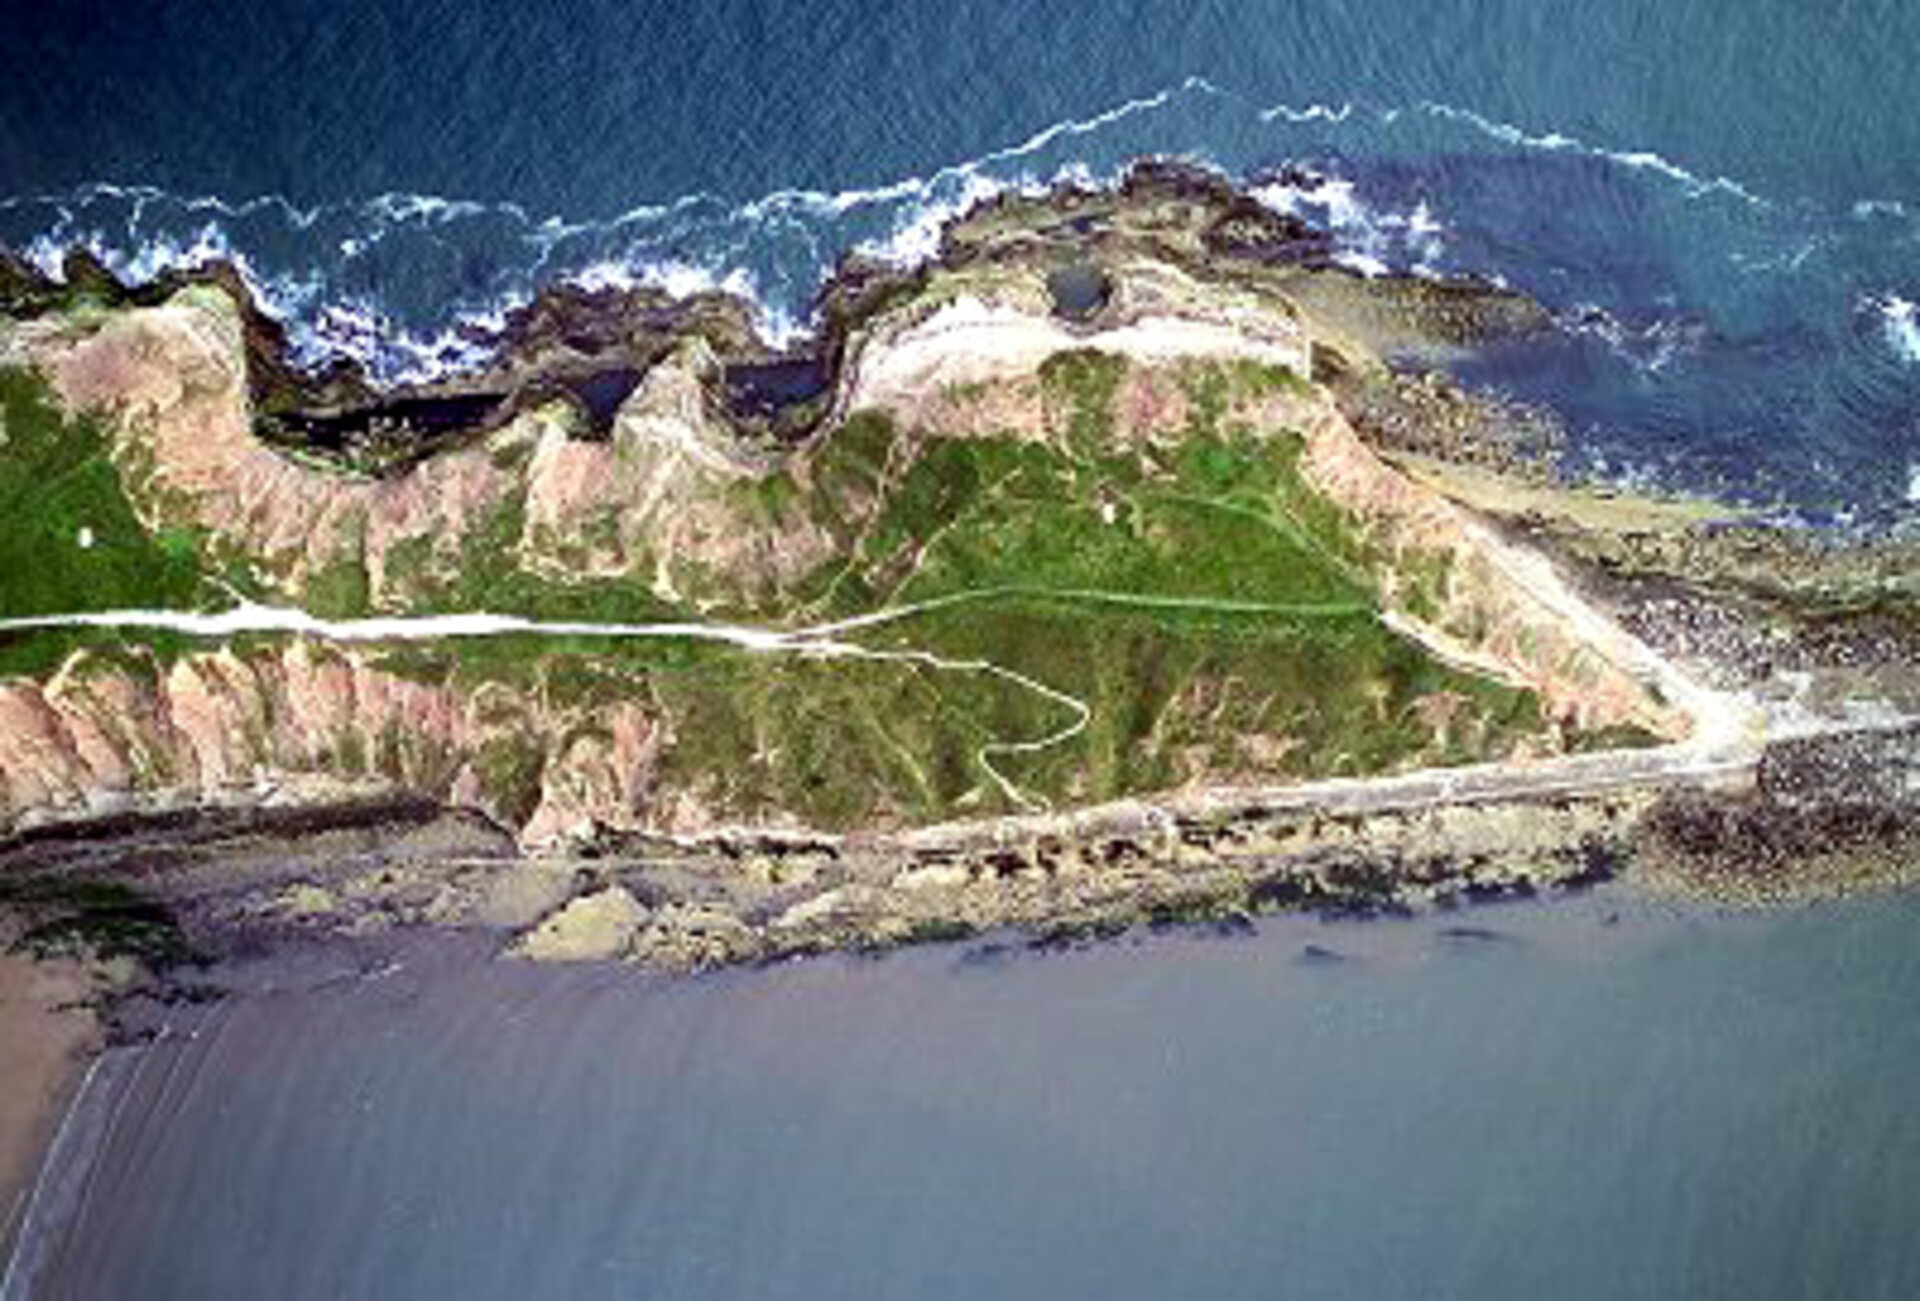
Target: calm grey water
1595, 1099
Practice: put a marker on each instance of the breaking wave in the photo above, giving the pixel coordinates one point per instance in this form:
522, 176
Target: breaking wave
410, 284
1373, 240
1899, 324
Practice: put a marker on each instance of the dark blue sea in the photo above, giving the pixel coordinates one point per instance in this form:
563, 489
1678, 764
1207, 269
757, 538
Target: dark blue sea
1720, 201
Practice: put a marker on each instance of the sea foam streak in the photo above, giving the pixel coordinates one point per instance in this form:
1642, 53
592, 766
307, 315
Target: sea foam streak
1635, 159
1311, 113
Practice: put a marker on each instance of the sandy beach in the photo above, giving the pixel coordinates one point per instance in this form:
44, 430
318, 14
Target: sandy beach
47, 1033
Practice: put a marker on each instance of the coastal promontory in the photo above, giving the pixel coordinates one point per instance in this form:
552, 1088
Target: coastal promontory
1129, 563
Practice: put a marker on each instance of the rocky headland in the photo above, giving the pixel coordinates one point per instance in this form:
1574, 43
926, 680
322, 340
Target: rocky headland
1125, 565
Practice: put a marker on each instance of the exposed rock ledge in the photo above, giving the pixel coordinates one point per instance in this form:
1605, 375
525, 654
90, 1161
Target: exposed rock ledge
1815, 816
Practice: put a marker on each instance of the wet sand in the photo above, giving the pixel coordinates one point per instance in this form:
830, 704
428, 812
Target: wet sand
47, 1033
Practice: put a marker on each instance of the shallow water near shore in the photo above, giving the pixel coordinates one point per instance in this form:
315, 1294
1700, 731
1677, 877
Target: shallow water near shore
1595, 1098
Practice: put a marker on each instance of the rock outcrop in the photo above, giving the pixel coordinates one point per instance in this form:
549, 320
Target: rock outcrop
594, 927
668, 498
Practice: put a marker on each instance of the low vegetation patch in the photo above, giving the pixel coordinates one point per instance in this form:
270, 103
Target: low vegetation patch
74, 917
69, 537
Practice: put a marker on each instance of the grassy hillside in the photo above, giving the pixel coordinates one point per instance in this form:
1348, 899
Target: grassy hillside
1074, 620
69, 538
1039, 617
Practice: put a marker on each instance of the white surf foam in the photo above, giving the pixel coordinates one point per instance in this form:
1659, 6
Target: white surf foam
699, 241
1371, 240
45, 253
283, 296
1900, 325
138, 197
431, 209
916, 234
164, 230
358, 330
937, 187
1311, 113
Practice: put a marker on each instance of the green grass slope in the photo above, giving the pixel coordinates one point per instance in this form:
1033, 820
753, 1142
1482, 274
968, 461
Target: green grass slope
1038, 621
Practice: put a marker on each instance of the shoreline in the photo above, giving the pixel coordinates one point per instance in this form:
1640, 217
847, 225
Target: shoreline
585, 346
525, 1025
62, 1006
303, 781
51, 1035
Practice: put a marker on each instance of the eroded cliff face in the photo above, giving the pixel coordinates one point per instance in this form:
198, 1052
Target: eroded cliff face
668, 498
1475, 597
662, 499
172, 379
301, 721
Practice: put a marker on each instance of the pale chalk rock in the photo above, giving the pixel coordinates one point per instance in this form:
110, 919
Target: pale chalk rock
938, 876
595, 927
306, 900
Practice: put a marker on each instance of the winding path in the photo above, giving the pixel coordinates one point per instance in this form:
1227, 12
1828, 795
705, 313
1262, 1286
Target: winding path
1728, 736
824, 640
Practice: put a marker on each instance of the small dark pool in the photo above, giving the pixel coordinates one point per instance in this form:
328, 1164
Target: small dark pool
603, 393
1079, 292
424, 417
766, 388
